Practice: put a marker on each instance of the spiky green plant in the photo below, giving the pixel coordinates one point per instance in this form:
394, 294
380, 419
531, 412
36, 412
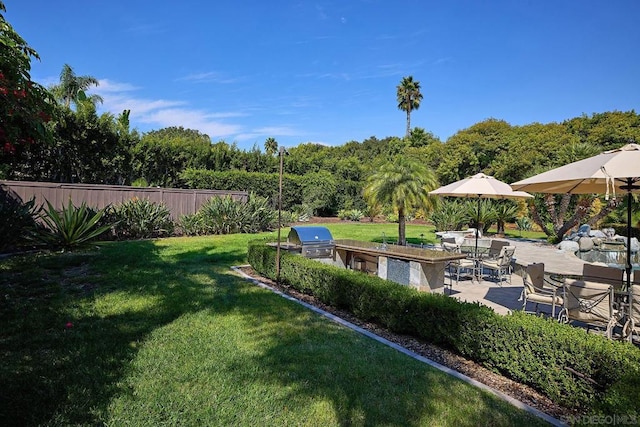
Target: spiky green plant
192, 224
71, 227
224, 215
524, 223
449, 215
258, 215
140, 219
221, 215
17, 221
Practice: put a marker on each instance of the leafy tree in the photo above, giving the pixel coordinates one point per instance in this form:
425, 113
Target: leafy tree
84, 148
319, 191
72, 88
404, 184
254, 160
25, 106
162, 155
607, 130
473, 150
409, 97
556, 214
308, 157
222, 156
349, 168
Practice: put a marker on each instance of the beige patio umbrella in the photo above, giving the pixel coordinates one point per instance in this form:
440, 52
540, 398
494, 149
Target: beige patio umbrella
479, 186
610, 172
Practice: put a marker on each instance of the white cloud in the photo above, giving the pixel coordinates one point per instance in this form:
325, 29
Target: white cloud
106, 85
159, 113
147, 114
191, 119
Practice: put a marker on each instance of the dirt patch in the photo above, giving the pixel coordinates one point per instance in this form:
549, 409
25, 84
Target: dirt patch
444, 357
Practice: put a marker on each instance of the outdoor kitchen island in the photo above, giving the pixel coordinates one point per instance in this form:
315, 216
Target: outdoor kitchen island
417, 267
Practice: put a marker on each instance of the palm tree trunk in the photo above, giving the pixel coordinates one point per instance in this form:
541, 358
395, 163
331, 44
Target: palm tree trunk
402, 238
408, 121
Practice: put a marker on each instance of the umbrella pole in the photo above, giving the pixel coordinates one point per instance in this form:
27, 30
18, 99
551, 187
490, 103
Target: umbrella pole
629, 266
477, 232
477, 224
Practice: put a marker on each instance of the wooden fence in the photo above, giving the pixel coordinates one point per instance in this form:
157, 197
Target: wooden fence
178, 201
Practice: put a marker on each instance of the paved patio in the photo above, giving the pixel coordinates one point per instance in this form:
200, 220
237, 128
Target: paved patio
504, 298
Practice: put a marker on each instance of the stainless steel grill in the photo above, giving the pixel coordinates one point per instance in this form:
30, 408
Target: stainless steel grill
311, 241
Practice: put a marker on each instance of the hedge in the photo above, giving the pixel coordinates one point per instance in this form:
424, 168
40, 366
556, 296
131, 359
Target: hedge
577, 369
322, 191
263, 184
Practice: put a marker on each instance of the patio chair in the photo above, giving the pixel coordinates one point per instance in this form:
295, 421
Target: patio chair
603, 274
501, 265
496, 246
451, 240
590, 303
539, 290
632, 325
459, 265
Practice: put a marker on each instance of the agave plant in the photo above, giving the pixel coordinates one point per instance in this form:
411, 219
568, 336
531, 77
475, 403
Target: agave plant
448, 215
71, 227
258, 215
224, 215
140, 219
192, 225
17, 221
524, 224
221, 215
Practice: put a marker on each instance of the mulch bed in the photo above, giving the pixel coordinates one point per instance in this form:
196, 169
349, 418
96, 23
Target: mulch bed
444, 357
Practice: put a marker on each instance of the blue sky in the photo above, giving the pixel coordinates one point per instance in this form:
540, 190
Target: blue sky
327, 71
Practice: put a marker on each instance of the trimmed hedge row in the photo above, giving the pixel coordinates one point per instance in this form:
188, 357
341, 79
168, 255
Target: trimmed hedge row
320, 190
263, 184
572, 367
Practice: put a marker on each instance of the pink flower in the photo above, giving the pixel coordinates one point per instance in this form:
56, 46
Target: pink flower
69, 325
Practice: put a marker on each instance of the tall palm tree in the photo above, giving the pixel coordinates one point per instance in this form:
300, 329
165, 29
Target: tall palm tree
403, 183
271, 146
72, 88
409, 98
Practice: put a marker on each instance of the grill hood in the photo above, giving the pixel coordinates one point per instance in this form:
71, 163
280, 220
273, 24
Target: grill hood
304, 235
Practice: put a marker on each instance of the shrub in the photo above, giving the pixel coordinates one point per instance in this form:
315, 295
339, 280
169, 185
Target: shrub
449, 215
577, 369
17, 221
263, 184
224, 215
140, 219
524, 224
350, 215
287, 218
71, 227
192, 225
258, 216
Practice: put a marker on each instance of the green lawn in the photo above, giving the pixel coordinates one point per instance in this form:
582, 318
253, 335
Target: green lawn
163, 333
